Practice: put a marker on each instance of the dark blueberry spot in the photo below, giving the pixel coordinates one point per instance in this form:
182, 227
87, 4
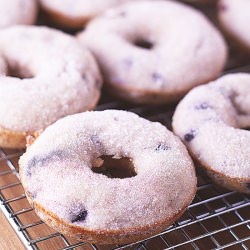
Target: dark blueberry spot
157, 78
161, 147
41, 161
33, 195
199, 45
116, 119
143, 43
190, 136
98, 83
31, 163
128, 63
122, 14
248, 186
83, 76
203, 105
80, 217
95, 139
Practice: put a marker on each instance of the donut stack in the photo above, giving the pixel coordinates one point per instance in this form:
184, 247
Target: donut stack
147, 52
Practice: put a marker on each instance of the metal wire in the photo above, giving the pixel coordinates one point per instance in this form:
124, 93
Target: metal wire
211, 203
217, 218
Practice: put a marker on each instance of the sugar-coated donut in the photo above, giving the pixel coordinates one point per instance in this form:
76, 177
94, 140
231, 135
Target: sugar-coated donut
60, 78
76, 15
211, 120
56, 172
14, 12
156, 61
234, 17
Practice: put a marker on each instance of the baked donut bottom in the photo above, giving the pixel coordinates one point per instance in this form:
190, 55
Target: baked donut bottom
139, 96
239, 44
12, 139
239, 184
64, 22
20, 139
229, 32
104, 237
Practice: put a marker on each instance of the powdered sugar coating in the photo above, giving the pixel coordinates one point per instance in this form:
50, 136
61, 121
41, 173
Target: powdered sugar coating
14, 12
60, 78
216, 114
234, 17
77, 14
165, 182
187, 50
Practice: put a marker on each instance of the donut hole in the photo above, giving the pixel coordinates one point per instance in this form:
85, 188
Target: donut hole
143, 43
114, 167
20, 72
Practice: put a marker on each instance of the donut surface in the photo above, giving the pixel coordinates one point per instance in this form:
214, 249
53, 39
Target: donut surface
210, 120
234, 17
159, 61
76, 15
55, 77
14, 12
56, 172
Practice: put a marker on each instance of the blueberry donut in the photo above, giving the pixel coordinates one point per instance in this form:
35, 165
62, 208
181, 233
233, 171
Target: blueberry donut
211, 120
45, 75
158, 61
76, 15
14, 12
60, 183
234, 17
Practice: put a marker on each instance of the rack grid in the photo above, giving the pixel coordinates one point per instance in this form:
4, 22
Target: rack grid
216, 219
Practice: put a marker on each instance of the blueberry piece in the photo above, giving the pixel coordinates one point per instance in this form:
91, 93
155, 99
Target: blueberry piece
31, 163
128, 62
33, 195
80, 217
98, 83
122, 14
203, 105
190, 136
84, 77
157, 77
161, 147
40, 161
95, 139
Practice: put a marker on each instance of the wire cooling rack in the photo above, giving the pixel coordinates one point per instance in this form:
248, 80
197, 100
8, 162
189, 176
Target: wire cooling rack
216, 219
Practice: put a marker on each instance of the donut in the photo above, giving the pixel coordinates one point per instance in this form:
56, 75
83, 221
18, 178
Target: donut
58, 177
234, 18
14, 12
45, 75
75, 16
157, 62
211, 121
